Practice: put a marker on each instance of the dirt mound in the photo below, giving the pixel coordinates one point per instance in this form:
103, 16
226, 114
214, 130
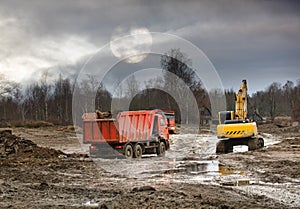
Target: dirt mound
282, 121
274, 129
14, 146
4, 124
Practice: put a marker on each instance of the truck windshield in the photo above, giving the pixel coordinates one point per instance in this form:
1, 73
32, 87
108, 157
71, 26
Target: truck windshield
169, 116
162, 122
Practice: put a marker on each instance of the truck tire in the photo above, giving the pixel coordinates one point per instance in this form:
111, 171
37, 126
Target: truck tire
171, 132
138, 151
161, 149
128, 151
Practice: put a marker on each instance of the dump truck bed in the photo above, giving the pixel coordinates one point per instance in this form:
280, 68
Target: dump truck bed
99, 131
136, 125
130, 126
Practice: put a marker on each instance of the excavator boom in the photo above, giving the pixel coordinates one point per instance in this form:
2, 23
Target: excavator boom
241, 102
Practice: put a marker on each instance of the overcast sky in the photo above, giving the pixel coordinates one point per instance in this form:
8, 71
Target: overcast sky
254, 40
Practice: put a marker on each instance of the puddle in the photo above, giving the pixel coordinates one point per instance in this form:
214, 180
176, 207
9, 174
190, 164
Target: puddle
209, 172
207, 168
225, 170
164, 171
200, 167
239, 182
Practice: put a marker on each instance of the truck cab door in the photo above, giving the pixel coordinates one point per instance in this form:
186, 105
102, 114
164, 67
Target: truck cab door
163, 128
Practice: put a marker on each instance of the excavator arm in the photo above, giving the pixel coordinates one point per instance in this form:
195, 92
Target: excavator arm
241, 102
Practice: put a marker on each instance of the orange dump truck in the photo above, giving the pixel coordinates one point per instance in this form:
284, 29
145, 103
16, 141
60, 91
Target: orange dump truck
132, 133
170, 115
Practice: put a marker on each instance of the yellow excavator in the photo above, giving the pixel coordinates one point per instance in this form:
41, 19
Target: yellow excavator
235, 128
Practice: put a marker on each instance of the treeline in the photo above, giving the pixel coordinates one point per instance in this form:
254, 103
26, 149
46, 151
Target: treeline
53, 102
275, 100
39, 102
42, 101
183, 93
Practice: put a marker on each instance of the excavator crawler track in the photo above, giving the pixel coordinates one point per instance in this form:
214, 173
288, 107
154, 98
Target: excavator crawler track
226, 145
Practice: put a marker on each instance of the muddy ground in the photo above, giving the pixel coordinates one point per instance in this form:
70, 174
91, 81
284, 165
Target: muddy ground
190, 175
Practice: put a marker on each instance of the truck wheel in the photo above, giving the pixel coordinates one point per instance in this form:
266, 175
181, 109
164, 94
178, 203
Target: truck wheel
161, 149
138, 151
171, 132
128, 151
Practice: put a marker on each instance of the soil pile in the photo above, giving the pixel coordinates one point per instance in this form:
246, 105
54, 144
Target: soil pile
14, 146
274, 129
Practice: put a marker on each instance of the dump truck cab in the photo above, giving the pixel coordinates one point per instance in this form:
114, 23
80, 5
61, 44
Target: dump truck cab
170, 120
160, 127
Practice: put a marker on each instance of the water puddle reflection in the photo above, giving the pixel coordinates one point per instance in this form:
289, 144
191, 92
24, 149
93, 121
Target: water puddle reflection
206, 168
208, 171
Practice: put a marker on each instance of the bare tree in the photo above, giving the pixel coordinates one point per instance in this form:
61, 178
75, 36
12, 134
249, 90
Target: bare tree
7, 86
132, 87
286, 102
88, 89
176, 62
45, 93
274, 95
295, 108
7, 89
176, 66
62, 96
103, 98
20, 100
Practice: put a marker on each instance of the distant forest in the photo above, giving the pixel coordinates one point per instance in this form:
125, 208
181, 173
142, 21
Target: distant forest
52, 102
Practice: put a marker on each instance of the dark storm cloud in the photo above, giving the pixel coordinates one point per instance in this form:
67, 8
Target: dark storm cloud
241, 38
253, 39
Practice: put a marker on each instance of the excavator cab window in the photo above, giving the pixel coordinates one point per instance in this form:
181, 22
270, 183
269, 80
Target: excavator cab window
225, 115
236, 121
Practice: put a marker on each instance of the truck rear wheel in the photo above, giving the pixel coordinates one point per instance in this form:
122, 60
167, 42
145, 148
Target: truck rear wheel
128, 151
171, 132
161, 149
138, 151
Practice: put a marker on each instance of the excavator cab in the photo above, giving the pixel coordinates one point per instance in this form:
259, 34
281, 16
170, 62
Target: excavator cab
225, 115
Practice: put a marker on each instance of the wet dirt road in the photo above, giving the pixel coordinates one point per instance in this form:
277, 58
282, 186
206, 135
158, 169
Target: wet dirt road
190, 175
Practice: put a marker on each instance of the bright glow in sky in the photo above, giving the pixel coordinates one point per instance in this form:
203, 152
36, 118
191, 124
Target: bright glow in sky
134, 44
